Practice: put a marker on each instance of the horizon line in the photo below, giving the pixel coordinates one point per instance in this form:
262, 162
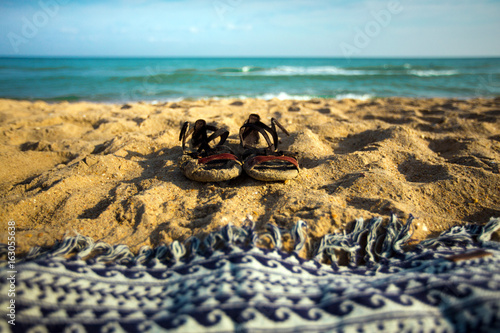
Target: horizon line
244, 57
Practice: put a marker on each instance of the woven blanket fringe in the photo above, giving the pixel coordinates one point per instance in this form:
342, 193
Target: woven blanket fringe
369, 243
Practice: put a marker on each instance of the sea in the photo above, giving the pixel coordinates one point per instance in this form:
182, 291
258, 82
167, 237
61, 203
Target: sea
173, 79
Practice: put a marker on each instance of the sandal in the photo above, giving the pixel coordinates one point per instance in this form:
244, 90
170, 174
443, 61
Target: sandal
266, 164
207, 164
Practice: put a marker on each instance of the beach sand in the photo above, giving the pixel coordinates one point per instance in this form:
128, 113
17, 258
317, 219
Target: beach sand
110, 171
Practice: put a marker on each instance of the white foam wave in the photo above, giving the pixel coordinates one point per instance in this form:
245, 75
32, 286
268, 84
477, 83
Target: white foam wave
431, 72
338, 71
268, 96
313, 70
363, 97
285, 96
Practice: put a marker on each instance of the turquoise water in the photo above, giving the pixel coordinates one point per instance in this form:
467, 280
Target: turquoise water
167, 79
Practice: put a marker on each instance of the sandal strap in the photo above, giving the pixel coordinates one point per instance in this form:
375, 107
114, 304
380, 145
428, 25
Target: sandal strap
222, 133
262, 129
199, 135
183, 135
223, 156
274, 121
266, 158
249, 127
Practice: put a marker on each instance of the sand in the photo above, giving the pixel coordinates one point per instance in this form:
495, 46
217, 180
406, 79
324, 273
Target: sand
110, 171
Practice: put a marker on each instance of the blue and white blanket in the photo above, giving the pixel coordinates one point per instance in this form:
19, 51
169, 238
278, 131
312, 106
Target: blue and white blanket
368, 280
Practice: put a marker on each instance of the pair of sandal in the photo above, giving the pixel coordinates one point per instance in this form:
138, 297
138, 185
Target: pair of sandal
216, 162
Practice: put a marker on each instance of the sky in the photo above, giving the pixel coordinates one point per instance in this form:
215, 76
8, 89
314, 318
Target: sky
239, 28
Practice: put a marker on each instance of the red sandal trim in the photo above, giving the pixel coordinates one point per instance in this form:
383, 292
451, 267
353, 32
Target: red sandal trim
262, 159
224, 156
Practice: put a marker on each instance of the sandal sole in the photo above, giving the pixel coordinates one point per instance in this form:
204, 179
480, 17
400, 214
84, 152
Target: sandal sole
271, 168
215, 170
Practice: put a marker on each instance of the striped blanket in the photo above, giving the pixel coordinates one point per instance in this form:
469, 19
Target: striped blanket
238, 280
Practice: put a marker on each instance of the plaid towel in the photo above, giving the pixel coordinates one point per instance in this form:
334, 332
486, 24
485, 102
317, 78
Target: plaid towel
368, 280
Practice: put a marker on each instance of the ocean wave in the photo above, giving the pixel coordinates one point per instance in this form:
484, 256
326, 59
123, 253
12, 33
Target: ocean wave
361, 97
400, 67
431, 72
243, 69
339, 71
286, 96
284, 71
300, 70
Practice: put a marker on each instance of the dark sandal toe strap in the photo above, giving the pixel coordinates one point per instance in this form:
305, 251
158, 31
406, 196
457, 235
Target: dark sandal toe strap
262, 159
